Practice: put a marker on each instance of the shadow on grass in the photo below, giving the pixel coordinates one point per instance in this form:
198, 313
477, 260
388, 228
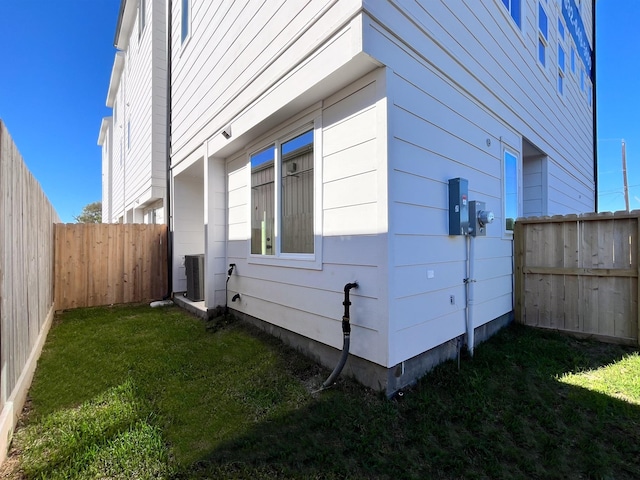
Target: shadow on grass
503, 415
235, 403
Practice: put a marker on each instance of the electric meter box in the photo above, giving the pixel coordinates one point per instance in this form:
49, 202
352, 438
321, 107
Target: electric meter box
479, 218
458, 206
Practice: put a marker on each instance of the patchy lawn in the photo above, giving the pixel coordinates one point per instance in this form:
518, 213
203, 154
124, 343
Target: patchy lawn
135, 392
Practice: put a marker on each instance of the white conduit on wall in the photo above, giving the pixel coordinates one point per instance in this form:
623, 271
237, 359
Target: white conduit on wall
469, 291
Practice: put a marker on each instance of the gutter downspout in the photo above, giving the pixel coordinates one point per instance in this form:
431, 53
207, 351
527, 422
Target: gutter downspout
169, 213
595, 117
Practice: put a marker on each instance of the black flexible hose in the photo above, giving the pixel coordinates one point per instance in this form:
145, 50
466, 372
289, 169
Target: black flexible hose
226, 288
346, 332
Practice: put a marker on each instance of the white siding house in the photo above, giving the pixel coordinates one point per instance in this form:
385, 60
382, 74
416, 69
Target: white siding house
135, 162
390, 99
312, 144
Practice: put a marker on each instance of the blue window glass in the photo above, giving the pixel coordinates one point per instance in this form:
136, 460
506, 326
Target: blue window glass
514, 8
185, 21
573, 60
510, 189
560, 83
543, 22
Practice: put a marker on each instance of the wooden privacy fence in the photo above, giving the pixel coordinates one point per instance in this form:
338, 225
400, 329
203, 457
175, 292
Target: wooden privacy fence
26, 280
105, 264
579, 274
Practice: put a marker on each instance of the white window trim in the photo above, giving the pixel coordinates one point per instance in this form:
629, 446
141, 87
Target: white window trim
312, 261
506, 148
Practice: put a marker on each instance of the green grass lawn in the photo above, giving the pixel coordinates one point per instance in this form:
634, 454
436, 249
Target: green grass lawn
135, 392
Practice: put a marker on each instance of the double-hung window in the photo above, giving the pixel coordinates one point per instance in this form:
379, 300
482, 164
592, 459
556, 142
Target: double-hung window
515, 10
543, 34
561, 57
283, 198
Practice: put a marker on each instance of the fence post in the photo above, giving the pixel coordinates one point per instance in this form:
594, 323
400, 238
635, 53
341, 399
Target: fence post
518, 258
638, 280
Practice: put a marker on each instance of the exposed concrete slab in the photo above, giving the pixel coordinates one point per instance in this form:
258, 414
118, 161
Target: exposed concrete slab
377, 377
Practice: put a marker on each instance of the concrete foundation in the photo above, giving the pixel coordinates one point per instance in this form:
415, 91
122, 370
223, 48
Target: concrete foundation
374, 376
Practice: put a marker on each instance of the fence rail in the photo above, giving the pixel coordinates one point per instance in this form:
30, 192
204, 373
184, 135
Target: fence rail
579, 274
105, 264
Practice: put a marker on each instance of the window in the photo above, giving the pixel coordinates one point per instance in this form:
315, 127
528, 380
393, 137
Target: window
511, 193
128, 134
543, 35
282, 197
513, 7
185, 20
561, 57
573, 59
142, 17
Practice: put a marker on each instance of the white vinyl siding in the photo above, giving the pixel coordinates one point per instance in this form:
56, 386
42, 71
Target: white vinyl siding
455, 83
241, 52
304, 299
448, 123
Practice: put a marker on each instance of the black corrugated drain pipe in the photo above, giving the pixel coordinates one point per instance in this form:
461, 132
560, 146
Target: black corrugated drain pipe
346, 333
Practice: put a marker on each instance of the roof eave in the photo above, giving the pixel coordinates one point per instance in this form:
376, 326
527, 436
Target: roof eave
114, 81
104, 126
126, 20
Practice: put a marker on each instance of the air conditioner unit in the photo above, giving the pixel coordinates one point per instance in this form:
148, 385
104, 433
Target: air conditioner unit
194, 266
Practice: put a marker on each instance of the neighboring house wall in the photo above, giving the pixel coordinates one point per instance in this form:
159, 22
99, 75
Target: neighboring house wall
400, 97
105, 141
137, 94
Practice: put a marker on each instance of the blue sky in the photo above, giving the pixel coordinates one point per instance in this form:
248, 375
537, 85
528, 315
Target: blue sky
56, 63
57, 59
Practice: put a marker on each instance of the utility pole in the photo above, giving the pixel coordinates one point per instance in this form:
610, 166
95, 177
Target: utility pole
624, 174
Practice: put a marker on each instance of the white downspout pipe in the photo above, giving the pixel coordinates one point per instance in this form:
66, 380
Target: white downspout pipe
469, 291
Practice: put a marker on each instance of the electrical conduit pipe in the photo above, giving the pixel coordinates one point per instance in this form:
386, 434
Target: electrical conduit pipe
346, 333
469, 301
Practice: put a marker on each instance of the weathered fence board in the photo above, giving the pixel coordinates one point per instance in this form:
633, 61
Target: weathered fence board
26, 280
105, 264
580, 274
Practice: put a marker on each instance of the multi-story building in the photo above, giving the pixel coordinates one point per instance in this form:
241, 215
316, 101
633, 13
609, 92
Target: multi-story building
134, 138
313, 144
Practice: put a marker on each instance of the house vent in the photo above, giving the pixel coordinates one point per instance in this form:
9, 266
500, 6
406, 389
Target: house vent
194, 266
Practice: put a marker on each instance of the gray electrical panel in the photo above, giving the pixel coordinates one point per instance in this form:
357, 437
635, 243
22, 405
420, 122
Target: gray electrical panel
458, 206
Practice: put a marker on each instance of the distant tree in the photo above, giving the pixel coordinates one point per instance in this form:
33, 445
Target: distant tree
91, 213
